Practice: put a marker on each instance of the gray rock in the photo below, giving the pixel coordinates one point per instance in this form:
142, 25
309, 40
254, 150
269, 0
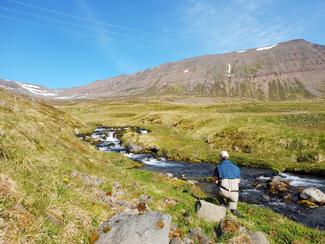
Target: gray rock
242, 229
192, 182
147, 228
258, 237
117, 189
197, 235
123, 203
173, 226
90, 180
240, 239
145, 198
265, 197
210, 212
129, 211
134, 147
169, 175
55, 220
176, 241
116, 185
188, 241
195, 232
313, 194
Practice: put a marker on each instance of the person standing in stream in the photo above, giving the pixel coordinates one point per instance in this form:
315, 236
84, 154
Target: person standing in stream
227, 178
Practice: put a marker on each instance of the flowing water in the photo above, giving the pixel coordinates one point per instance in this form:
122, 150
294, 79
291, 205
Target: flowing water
250, 178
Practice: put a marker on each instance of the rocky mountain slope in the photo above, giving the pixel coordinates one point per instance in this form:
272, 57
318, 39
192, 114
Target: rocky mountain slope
288, 70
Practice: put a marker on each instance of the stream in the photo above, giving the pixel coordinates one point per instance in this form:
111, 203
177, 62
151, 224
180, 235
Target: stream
107, 141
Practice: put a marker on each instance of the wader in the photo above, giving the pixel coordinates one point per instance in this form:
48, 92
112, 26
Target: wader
227, 192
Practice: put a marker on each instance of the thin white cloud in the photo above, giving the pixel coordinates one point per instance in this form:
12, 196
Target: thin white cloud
220, 27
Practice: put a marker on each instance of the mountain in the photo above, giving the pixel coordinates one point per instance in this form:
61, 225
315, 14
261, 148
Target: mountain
33, 90
287, 70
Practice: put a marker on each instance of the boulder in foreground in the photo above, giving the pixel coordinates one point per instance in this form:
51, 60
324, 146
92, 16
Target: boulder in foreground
210, 212
147, 228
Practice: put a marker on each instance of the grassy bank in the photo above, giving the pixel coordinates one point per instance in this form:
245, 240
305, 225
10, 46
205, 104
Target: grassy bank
52, 184
281, 135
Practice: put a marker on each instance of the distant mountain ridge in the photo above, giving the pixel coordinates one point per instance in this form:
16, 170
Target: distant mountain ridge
287, 70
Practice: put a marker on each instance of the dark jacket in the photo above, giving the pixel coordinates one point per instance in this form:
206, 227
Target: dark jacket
226, 169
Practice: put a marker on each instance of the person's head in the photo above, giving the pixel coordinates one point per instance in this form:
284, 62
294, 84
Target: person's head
224, 155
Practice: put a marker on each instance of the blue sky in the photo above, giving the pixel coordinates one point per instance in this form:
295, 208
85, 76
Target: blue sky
64, 43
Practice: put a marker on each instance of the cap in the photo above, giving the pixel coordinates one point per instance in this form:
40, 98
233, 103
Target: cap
224, 155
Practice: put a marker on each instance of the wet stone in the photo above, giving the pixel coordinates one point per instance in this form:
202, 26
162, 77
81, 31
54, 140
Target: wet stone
278, 185
314, 195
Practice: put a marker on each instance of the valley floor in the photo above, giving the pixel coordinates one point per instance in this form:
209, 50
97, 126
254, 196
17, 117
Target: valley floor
285, 136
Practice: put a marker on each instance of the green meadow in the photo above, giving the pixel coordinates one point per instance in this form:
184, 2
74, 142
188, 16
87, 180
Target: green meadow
285, 136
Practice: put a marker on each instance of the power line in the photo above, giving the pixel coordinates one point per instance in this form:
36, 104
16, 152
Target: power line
76, 16
71, 23
66, 30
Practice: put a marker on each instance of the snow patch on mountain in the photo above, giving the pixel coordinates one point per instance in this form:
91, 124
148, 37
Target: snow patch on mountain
29, 86
69, 97
36, 90
265, 48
